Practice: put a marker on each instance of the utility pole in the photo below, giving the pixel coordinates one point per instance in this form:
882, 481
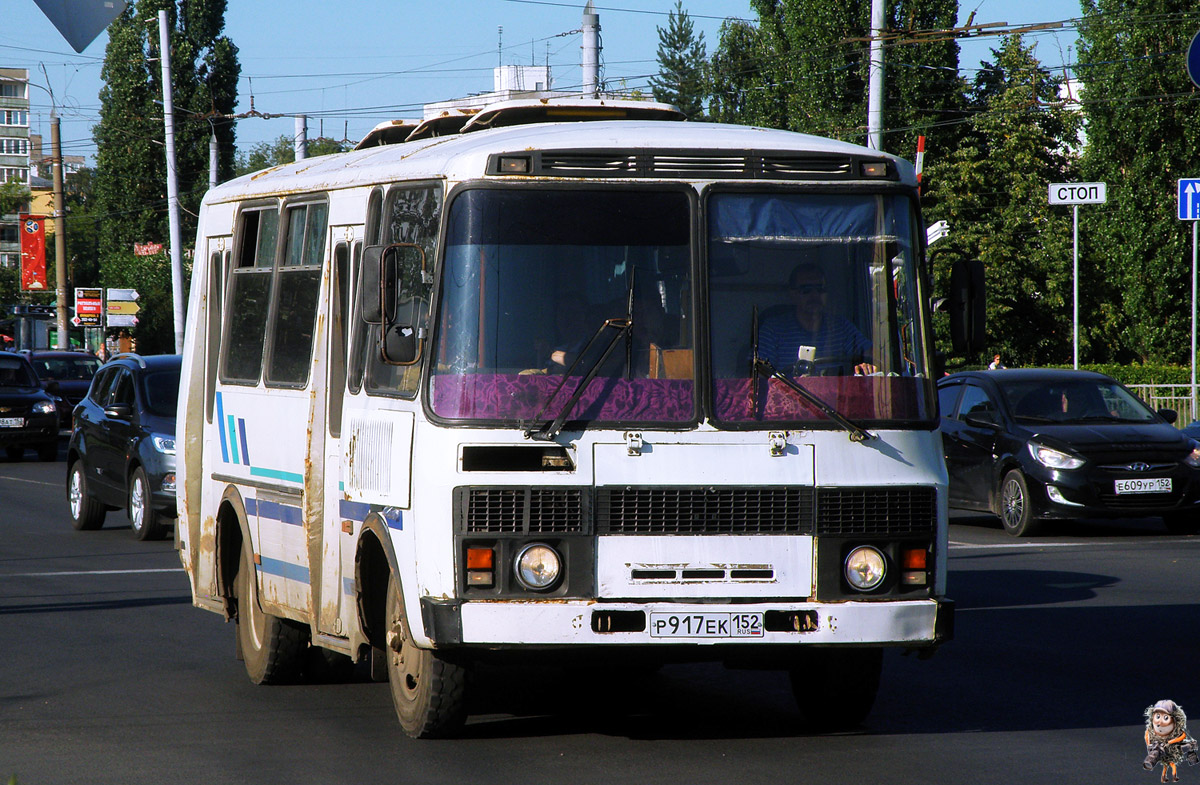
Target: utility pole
591, 52
875, 83
164, 43
300, 140
60, 234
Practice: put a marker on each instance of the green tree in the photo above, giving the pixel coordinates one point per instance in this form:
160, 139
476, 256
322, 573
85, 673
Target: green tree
13, 197
992, 191
1143, 134
130, 181
804, 67
681, 56
283, 151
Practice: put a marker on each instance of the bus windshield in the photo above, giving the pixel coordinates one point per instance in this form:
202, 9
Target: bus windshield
542, 289
824, 289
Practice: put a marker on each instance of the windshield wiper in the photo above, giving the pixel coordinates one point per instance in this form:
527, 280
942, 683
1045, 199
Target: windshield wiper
550, 429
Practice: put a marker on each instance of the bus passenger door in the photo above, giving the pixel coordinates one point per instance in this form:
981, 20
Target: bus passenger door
340, 519
219, 253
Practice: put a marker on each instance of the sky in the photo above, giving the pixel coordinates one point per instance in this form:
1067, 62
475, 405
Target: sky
353, 64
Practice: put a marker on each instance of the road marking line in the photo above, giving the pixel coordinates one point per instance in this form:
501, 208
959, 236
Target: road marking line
85, 572
1009, 545
32, 482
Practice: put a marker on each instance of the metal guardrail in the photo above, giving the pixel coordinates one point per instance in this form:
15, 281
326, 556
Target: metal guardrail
1180, 397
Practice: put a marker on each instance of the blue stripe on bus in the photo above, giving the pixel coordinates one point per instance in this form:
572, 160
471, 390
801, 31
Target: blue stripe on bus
353, 511
293, 516
292, 572
276, 474
251, 505
245, 448
393, 517
221, 428
233, 448
348, 586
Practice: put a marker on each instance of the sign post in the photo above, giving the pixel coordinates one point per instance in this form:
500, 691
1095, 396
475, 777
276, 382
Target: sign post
122, 307
1076, 194
1189, 210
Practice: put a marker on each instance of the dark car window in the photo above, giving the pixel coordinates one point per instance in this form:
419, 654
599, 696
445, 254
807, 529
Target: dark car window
976, 401
1075, 400
161, 391
15, 372
122, 389
65, 369
947, 397
98, 393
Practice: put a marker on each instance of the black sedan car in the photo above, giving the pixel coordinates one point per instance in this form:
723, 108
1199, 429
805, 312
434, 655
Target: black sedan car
122, 448
1035, 444
28, 416
66, 375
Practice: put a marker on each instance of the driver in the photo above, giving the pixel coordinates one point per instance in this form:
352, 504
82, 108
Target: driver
808, 325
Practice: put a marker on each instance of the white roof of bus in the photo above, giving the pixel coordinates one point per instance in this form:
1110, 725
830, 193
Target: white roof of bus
464, 156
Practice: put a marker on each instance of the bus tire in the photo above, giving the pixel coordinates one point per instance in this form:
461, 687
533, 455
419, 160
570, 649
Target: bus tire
86, 512
271, 648
143, 518
429, 693
835, 688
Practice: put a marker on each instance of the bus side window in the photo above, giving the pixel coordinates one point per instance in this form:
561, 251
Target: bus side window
297, 286
249, 296
412, 215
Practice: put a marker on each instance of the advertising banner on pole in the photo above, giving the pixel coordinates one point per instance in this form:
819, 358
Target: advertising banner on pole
33, 252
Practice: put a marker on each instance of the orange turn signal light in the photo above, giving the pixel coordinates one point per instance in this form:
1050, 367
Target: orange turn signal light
913, 559
480, 558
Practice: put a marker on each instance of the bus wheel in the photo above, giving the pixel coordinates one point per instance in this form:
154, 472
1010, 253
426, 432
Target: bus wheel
835, 688
429, 693
270, 646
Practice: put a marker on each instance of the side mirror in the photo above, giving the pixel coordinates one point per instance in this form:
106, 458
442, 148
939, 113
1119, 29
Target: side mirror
404, 307
1170, 415
981, 421
120, 411
968, 307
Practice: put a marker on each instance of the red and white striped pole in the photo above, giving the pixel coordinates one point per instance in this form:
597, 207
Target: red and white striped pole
920, 157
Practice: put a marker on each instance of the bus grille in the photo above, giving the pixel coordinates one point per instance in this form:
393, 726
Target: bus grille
751, 164
786, 510
657, 510
523, 510
873, 511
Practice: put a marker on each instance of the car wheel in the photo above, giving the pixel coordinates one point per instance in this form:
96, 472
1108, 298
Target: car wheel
271, 648
1182, 522
143, 518
14, 453
429, 694
86, 512
1016, 511
836, 688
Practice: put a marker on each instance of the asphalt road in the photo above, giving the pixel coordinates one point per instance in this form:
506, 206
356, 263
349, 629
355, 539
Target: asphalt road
110, 676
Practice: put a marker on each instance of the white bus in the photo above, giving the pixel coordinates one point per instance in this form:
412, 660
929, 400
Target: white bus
568, 378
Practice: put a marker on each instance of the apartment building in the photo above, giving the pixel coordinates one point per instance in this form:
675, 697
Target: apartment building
14, 152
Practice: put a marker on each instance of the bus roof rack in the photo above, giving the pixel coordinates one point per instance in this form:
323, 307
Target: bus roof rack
387, 132
568, 109
447, 123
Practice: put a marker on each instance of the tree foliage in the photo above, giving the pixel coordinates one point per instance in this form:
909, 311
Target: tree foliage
130, 183
1143, 134
804, 67
681, 59
992, 191
283, 151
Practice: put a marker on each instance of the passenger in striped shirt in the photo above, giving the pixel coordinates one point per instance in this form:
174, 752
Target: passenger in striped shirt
834, 339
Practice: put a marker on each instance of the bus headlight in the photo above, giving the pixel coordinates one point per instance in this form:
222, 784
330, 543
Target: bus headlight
865, 568
537, 566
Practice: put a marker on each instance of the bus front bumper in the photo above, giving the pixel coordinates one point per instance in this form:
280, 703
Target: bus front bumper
504, 623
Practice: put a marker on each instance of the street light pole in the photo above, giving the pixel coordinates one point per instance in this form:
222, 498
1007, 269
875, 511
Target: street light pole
60, 234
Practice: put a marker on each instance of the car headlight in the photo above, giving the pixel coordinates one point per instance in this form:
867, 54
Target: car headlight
1052, 458
164, 444
865, 568
537, 566
1193, 459
44, 407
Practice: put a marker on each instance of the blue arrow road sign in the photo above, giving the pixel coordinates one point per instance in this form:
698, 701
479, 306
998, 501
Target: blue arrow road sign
1189, 200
